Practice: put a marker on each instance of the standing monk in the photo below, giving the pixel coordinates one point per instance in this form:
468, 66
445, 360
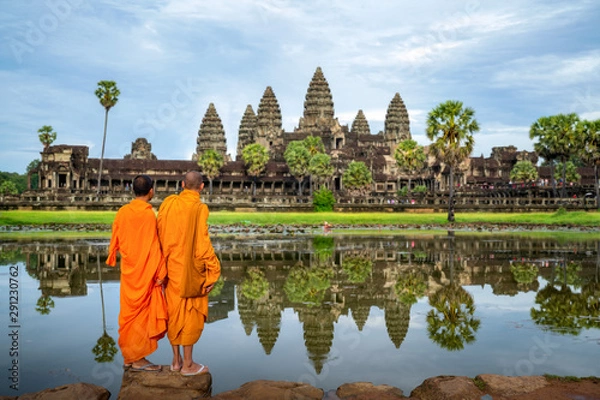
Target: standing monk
143, 314
186, 315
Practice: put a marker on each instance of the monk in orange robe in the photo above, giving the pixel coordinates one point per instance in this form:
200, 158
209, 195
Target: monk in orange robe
143, 313
186, 315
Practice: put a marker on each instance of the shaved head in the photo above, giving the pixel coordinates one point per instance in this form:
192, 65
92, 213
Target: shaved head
193, 180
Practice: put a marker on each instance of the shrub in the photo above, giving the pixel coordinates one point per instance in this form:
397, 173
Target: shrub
420, 189
402, 192
323, 200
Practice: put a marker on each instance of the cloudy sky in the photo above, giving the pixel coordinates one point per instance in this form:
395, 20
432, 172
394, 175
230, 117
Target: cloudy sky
512, 61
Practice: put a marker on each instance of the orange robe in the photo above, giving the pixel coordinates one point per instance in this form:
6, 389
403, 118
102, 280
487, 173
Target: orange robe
143, 313
186, 316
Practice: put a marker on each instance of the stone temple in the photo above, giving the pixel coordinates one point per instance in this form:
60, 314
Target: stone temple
67, 169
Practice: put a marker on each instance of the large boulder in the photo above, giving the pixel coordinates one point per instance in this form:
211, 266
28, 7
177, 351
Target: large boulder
272, 390
165, 384
368, 391
447, 388
500, 385
74, 391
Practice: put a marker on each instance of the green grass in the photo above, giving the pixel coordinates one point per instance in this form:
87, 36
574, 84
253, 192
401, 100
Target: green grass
575, 218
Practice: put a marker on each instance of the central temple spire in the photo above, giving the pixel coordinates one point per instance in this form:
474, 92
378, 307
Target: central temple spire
318, 104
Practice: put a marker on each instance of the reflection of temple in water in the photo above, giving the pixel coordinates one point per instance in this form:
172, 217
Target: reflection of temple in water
355, 274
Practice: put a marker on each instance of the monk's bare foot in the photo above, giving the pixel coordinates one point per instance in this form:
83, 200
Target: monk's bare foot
177, 363
144, 365
194, 369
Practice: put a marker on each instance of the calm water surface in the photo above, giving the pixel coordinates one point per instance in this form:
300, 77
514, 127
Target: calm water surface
324, 310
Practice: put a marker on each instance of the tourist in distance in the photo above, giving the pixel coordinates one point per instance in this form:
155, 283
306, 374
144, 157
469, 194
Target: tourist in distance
186, 315
143, 310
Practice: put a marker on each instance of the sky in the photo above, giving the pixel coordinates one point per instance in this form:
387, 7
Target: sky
512, 61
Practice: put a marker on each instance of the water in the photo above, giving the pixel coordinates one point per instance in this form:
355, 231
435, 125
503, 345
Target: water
326, 310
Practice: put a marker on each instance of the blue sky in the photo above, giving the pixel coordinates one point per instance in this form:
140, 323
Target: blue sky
512, 61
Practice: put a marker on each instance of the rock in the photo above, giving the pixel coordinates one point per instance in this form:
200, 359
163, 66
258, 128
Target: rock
272, 390
499, 385
368, 391
165, 384
74, 391
447, 388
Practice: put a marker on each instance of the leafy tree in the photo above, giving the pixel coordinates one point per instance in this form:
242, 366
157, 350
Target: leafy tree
590, 131
524, 272
320, 167
410, 287
450, 323
451, 127
33, 166
524, 171
357, 177
410, 158
8, 188
357, 268
211, 162
256, 285
307, 285
567, 174
558, 138
255, 158
44, 304
105, 349
108, 94
314, 145
297, 157
323, 200
46, 135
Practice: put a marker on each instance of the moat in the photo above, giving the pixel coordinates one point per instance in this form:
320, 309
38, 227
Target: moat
328, 310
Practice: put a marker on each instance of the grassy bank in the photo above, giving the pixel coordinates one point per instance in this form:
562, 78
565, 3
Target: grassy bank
576, 218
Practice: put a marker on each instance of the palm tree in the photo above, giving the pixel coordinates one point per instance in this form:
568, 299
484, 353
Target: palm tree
314, 145
105, 348
320, 166
410, 158
558, 138
108, 94
591, 151
211, 162
256, 157
451, 127
297, 157
46, 135
524, 171
357, 177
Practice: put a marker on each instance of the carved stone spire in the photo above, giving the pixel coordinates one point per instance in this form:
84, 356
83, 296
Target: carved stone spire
211, 134
397, 125
318, 104
269, 131
247, 131
360, 126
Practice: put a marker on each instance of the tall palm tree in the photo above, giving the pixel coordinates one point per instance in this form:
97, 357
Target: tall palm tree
256, 157
108, 94
320, 166
297, 158
558, 138
451, 127
410, 158
211, 162
46, 135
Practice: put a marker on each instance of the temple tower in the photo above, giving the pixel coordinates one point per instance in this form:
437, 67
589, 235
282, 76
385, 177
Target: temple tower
318, 104
269, 131
397, 126
247, 131
211, 134
360, 125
